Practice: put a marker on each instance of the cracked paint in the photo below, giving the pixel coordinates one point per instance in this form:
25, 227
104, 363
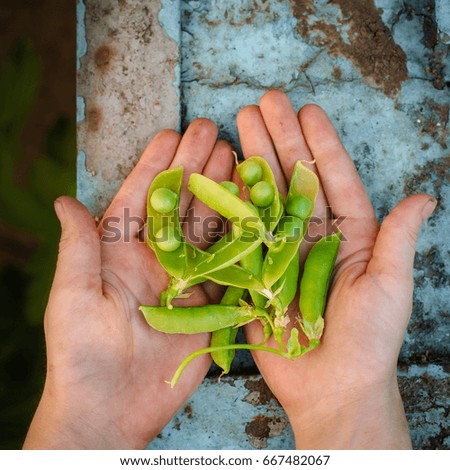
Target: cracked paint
128, 81
396, 130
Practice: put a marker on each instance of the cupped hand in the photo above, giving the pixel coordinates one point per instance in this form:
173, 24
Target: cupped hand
106, 368
344, 394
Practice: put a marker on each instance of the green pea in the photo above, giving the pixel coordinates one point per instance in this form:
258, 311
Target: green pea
299, 206
174, 262
163, 200
262, 194
250, 172
233, 188
167, 240
271, 214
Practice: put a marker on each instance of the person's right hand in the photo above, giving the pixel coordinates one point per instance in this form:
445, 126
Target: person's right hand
106, 367
344, 394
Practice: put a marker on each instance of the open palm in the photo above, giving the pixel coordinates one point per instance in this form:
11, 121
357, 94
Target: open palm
106, 367
370, 298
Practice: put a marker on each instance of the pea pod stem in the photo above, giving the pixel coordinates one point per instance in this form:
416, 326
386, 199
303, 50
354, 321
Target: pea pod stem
252, 347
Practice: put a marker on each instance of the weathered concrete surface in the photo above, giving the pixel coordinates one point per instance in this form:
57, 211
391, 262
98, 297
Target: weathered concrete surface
242, 413
127, 87
443, 19
395, 126
383, 77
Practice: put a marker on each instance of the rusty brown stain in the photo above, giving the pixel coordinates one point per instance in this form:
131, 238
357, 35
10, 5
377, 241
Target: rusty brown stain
188, 411
93, 117
261, 427
102, 57
258, 389
436, 172
258, 427
381, 61
436, 123
337, 73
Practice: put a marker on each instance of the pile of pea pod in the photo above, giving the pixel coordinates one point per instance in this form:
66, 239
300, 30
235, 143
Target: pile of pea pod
258, 261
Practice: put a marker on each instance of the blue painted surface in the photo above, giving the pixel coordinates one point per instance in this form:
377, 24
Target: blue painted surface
443, 18
85, 184
231, 53
81, 32
169, 18
219, 416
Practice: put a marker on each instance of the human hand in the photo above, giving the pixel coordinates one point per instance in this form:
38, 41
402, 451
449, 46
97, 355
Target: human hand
344, 394
105, 366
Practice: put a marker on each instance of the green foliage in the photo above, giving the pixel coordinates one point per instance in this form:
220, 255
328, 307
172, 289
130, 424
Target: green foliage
27, 205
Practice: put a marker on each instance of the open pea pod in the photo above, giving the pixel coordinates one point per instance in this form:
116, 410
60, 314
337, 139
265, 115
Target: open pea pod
305, 184
202, 265
302, 194
270, 215
228, 255
221, 243
286, 286
174, 262
289, 235
205, 319
237, 277
253, 262
314, 284
228, 205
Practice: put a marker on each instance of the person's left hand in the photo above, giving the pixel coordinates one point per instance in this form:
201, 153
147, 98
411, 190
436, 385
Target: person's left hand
106, 371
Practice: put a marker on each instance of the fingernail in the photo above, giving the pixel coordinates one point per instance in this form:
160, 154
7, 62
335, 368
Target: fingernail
59, 208
429, 207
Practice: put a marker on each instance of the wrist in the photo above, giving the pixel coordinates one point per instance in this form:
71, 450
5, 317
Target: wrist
367, 418
58, 426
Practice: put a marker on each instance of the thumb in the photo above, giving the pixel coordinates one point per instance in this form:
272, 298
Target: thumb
79, 261
395, 246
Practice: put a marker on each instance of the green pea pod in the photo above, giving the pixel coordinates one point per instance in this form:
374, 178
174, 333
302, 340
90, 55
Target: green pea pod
221, 243
286, 286
314, 284
228, 205
237, 277
174, 262
253, 262
224, 357
270, 215
202, 265
205, 319
289, 235
304, 182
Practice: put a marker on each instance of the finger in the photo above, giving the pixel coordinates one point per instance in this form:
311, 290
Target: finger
127, 210
284, 129
203, 223
193, 153
79, 259
343, 187
395, 246
255, 140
